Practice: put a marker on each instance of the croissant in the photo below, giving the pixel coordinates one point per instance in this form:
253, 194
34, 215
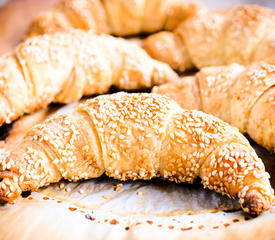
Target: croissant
63, 67
118, 17
242, 96
209, 38
137, 136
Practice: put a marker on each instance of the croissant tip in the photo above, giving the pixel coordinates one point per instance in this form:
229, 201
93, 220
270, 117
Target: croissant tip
255, 203
9, 189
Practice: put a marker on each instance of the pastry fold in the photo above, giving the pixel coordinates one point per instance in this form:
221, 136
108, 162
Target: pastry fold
242, 96
63, 67
242, 35
137, 136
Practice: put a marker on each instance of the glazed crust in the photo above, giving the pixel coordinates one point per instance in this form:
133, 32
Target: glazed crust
242, 96
137, 136
63, 67
211, 38
117, 17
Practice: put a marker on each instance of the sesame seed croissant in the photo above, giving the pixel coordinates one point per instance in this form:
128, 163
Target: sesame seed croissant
210, 38
63, 67
137, 136
118, 17
241, 96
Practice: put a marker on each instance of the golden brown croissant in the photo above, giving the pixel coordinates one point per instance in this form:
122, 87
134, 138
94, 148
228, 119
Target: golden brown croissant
241, 34
63, 67
242, 96
137, 136
118, 17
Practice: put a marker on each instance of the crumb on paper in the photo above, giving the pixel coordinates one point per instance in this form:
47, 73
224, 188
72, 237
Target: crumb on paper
62, 185
105, 197
114, 222
89, 217
139, 193
67, 189
118, 187
81, 191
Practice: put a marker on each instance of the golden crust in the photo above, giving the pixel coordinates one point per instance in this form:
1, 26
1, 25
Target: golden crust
244, 28
250, 86
20, 127
138, 136
211, 38
216, 85
202, 35
117, 17
242, 96
187, 87
63, 67
167, 47
261, 123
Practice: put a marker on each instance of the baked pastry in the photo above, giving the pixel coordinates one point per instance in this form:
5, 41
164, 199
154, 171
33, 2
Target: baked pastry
63, 67
117, 17
241, 34
20, 127
137, 136
241, 96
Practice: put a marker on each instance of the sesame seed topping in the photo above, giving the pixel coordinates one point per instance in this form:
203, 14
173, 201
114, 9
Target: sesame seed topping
223, 163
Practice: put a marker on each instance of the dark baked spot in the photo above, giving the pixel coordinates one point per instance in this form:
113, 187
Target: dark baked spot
246, 218
72, 209
114, 222
89, 217
186, 229
26, 194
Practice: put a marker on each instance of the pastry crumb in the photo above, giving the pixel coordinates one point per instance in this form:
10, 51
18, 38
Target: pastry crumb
105, 197
118, 187
67, 189
62, 185
139, 193
81, 191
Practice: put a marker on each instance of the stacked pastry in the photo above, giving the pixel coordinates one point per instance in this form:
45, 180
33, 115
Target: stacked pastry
242, 35
141, 136
242, 96
118, 17
63, 67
